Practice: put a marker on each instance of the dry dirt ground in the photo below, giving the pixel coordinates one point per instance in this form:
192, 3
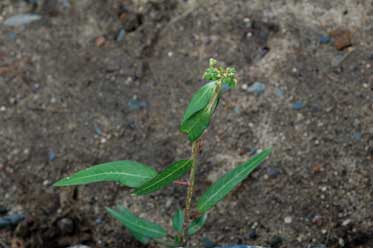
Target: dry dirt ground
75, 91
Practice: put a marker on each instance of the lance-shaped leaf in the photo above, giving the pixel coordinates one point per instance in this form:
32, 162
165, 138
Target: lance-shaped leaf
140, 237
197, 224
199, 122
229, 181
200, 100
138, 225
165, 177
196, 125
126, 172
178, 221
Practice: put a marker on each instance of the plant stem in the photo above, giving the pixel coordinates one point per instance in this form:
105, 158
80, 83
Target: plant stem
188, 201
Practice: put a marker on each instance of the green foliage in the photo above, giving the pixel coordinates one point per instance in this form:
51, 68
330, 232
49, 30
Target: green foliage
228, 182
197, 124
140, 237
146, 180
178, 221
200, 100
197, 224
126, 172
165, 178
138, 225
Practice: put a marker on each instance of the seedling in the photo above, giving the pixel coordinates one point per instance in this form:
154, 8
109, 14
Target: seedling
144, 180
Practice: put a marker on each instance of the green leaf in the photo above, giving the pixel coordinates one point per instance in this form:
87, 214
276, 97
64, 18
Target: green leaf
138, 236
197, 224
126, 172
229, 181
200, 100
165, 177
178, 221
138, 225
196, 125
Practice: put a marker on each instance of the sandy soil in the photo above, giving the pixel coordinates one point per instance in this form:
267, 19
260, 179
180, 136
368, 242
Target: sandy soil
75, 92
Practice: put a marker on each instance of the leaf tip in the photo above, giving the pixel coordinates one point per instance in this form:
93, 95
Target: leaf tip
59, 183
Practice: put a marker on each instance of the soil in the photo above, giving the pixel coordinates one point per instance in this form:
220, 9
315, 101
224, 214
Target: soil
75, 92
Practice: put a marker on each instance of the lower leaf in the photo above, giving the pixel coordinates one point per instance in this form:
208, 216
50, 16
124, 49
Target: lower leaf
136, 224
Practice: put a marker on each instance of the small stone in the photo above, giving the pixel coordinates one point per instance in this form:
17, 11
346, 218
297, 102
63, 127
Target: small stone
208, 243
2, 108
252, 234
316, 168
99, 221
100, 41
253, 151
20, 20
288, 219
98, 131
324, 39
136, 104
257, 88
346, 222
341, 242
11, 220
35, 87
263, 51
273, 172
237, 109
170, 54
317, 219
297, 105
357, 136
279, 92
52, 155
121, 34
168, 202
342, 38
66, 225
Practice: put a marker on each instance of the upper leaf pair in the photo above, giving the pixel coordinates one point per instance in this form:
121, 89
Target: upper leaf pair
197, 117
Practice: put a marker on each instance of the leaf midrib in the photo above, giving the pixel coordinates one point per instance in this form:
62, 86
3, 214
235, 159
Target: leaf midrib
199, 100
135, 223
164, 178
105, 173
224, 186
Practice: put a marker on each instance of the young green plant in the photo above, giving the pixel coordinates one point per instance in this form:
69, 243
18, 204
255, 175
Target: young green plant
144, 180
